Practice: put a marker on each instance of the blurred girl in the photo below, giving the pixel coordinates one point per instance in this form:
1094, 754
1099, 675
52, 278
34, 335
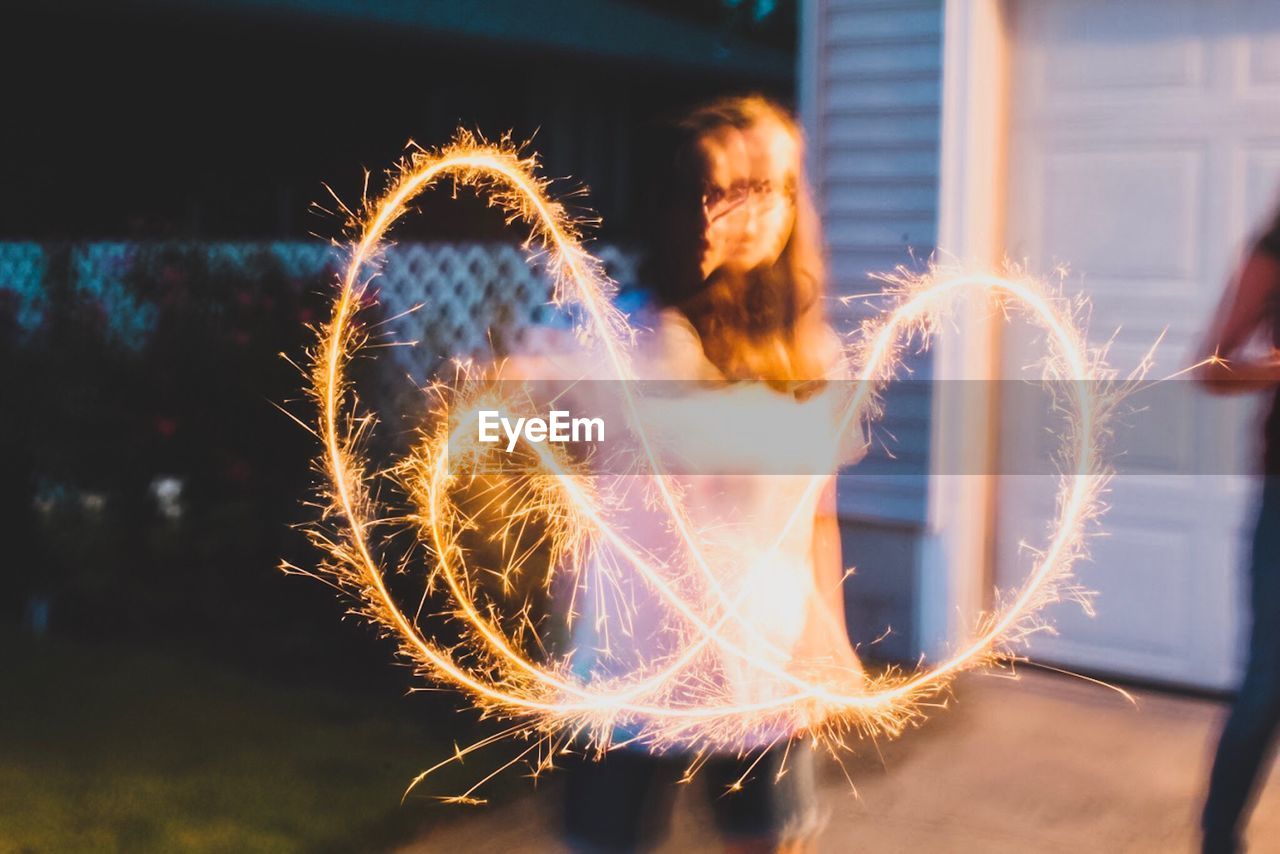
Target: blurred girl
1251, 306
737, 287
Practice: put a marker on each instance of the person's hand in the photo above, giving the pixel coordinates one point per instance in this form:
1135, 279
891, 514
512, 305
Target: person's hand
1226, 376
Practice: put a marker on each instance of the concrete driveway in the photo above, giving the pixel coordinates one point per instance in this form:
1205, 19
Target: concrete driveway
1044, 763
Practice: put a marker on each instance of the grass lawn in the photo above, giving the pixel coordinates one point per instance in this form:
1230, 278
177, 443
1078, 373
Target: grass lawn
121, 748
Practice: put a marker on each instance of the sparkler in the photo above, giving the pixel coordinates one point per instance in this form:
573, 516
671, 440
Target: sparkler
671, 702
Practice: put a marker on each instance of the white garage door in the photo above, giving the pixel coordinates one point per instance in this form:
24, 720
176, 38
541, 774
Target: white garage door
1144, 149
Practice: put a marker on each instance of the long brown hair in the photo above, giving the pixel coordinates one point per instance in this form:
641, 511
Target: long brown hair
766, 323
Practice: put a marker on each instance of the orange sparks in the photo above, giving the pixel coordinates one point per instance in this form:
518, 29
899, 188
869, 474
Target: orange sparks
670, 702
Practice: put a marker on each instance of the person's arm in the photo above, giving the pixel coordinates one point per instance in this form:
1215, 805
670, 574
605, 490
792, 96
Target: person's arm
1242, 311
825, 652
830, 632
828, 557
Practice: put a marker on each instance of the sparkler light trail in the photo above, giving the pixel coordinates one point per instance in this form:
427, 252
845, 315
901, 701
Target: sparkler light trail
672, 701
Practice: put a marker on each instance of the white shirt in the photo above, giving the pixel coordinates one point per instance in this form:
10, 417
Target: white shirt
747, 465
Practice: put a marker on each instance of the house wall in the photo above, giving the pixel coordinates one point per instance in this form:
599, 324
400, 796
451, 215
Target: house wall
870, 83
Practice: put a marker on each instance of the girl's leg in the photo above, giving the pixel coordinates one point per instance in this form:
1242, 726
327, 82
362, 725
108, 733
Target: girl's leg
768, 813
621, 803
1252, 724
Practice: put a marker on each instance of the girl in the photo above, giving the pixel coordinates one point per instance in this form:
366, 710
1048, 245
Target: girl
737, 283
1250, 306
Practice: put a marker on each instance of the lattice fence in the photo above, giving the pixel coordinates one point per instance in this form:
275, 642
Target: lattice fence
474, 297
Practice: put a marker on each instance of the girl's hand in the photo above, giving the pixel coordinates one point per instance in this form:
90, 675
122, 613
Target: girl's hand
1246, 308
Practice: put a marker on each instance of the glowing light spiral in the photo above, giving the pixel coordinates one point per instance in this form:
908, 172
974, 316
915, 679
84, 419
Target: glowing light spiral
487, 661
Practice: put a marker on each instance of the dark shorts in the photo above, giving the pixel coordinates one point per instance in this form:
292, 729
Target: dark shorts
624, 802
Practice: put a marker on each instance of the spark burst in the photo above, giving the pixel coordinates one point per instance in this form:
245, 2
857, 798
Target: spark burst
669, 703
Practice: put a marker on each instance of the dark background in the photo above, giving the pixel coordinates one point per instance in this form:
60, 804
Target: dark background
168, 653
171, 126
221, 121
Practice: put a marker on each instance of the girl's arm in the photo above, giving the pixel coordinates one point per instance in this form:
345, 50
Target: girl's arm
828, 557
1243, 310
825, 651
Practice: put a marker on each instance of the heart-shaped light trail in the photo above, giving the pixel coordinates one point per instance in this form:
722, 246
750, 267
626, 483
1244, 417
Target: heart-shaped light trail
660, 703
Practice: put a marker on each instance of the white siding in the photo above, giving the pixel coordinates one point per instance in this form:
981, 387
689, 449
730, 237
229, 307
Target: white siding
870, 81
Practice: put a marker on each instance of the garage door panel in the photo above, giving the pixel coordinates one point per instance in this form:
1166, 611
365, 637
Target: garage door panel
1145, 612
1261, 177
1144, 150
1078, 51
1132, 211
1102, 46
1153, 619
1260, 51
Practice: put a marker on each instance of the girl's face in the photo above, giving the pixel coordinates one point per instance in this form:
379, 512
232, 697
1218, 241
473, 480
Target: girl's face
749, 196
